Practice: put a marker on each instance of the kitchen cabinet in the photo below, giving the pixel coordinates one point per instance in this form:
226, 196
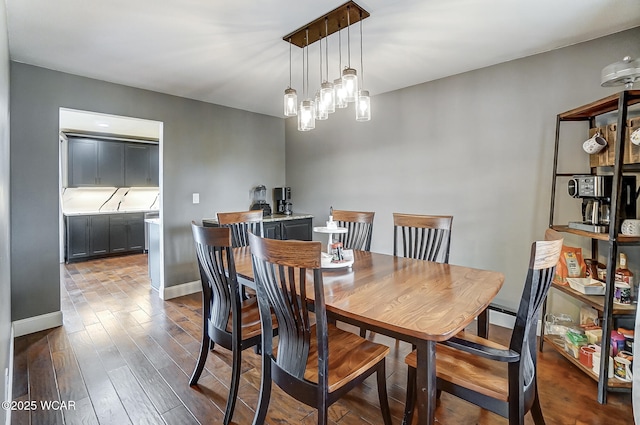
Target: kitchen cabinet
295, 226
154, 165
300, 229
91, 236
126, 232
113, 163
616, 155
141, 166
87, 236
95, 163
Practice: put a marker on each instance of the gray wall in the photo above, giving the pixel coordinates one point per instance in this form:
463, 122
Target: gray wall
218, 152
5, 264
478, 146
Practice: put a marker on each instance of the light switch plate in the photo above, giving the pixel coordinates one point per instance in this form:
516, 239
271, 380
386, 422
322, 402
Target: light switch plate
196, 198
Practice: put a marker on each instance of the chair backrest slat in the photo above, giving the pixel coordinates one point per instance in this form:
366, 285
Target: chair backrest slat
359, 225
424, 237
280, 270
217, 272
240, 224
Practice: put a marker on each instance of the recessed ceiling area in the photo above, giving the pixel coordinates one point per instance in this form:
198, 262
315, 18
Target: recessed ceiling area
232, 53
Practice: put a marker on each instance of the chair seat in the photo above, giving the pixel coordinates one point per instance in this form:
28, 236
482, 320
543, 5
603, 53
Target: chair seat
488, 377
349, 356
250, 319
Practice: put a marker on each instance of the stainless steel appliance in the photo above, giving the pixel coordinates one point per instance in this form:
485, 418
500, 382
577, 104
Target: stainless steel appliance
148, 215
281, 200
259, 202
595, 192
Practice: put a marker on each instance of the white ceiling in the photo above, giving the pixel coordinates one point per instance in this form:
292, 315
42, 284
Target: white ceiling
231, 52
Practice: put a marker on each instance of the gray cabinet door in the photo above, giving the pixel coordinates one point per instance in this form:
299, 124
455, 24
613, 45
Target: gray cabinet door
154, 165
77, 236
136, 164
272, 230
117, 233
297, 229
126, 232
83, 162
135, 232
99, 235
110, 163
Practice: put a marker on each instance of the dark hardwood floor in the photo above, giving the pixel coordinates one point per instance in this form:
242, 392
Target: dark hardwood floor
125, 356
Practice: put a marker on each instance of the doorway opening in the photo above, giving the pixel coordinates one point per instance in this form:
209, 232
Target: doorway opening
110, 187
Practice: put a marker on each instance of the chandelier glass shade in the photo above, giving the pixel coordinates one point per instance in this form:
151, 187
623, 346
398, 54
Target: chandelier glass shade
329, 96
290, 102
306, 116
363, 106
339, 94
350, 84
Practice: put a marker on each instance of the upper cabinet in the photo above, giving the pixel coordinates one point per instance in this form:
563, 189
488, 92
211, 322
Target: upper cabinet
110, 164
95, 162
141, 164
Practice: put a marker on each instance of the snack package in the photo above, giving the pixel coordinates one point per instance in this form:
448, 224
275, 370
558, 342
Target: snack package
570, 264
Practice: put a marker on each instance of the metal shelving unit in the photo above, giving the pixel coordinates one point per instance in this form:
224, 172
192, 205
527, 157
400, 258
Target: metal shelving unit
619, 102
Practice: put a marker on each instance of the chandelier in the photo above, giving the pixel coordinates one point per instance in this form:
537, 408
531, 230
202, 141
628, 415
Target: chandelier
329, 96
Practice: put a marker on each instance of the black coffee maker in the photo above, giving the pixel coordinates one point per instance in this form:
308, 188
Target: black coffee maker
281, 200
595, 192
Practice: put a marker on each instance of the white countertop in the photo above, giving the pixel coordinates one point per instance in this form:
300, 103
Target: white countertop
105, 212
269, 218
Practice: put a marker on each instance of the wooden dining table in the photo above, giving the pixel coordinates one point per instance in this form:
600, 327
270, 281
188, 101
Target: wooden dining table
416, 301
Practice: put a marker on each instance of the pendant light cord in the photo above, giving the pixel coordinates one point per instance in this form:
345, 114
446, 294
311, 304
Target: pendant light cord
289, 62
349, 34
307, 45
361, 61
326, 45
339, 50
320, 51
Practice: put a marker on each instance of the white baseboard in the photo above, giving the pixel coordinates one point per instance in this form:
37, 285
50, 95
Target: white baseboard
8, 389
176, 291
507, 321
501, 319
37, 323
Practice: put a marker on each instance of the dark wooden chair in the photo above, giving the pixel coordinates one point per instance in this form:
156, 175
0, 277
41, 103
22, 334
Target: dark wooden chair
428, 237
240, 223
315, 363
359, 229
228, 320
496, 378
424, 237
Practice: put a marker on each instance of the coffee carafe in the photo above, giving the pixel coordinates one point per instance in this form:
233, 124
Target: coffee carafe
281, 199
596, 211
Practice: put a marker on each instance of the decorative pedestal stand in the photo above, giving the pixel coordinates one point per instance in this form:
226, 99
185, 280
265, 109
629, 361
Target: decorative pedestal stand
331, 231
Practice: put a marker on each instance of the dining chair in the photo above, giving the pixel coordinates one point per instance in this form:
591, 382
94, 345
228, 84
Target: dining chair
315, 363
428, 237
228, 320
240, 223
498, 378
424, 237
359, 227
